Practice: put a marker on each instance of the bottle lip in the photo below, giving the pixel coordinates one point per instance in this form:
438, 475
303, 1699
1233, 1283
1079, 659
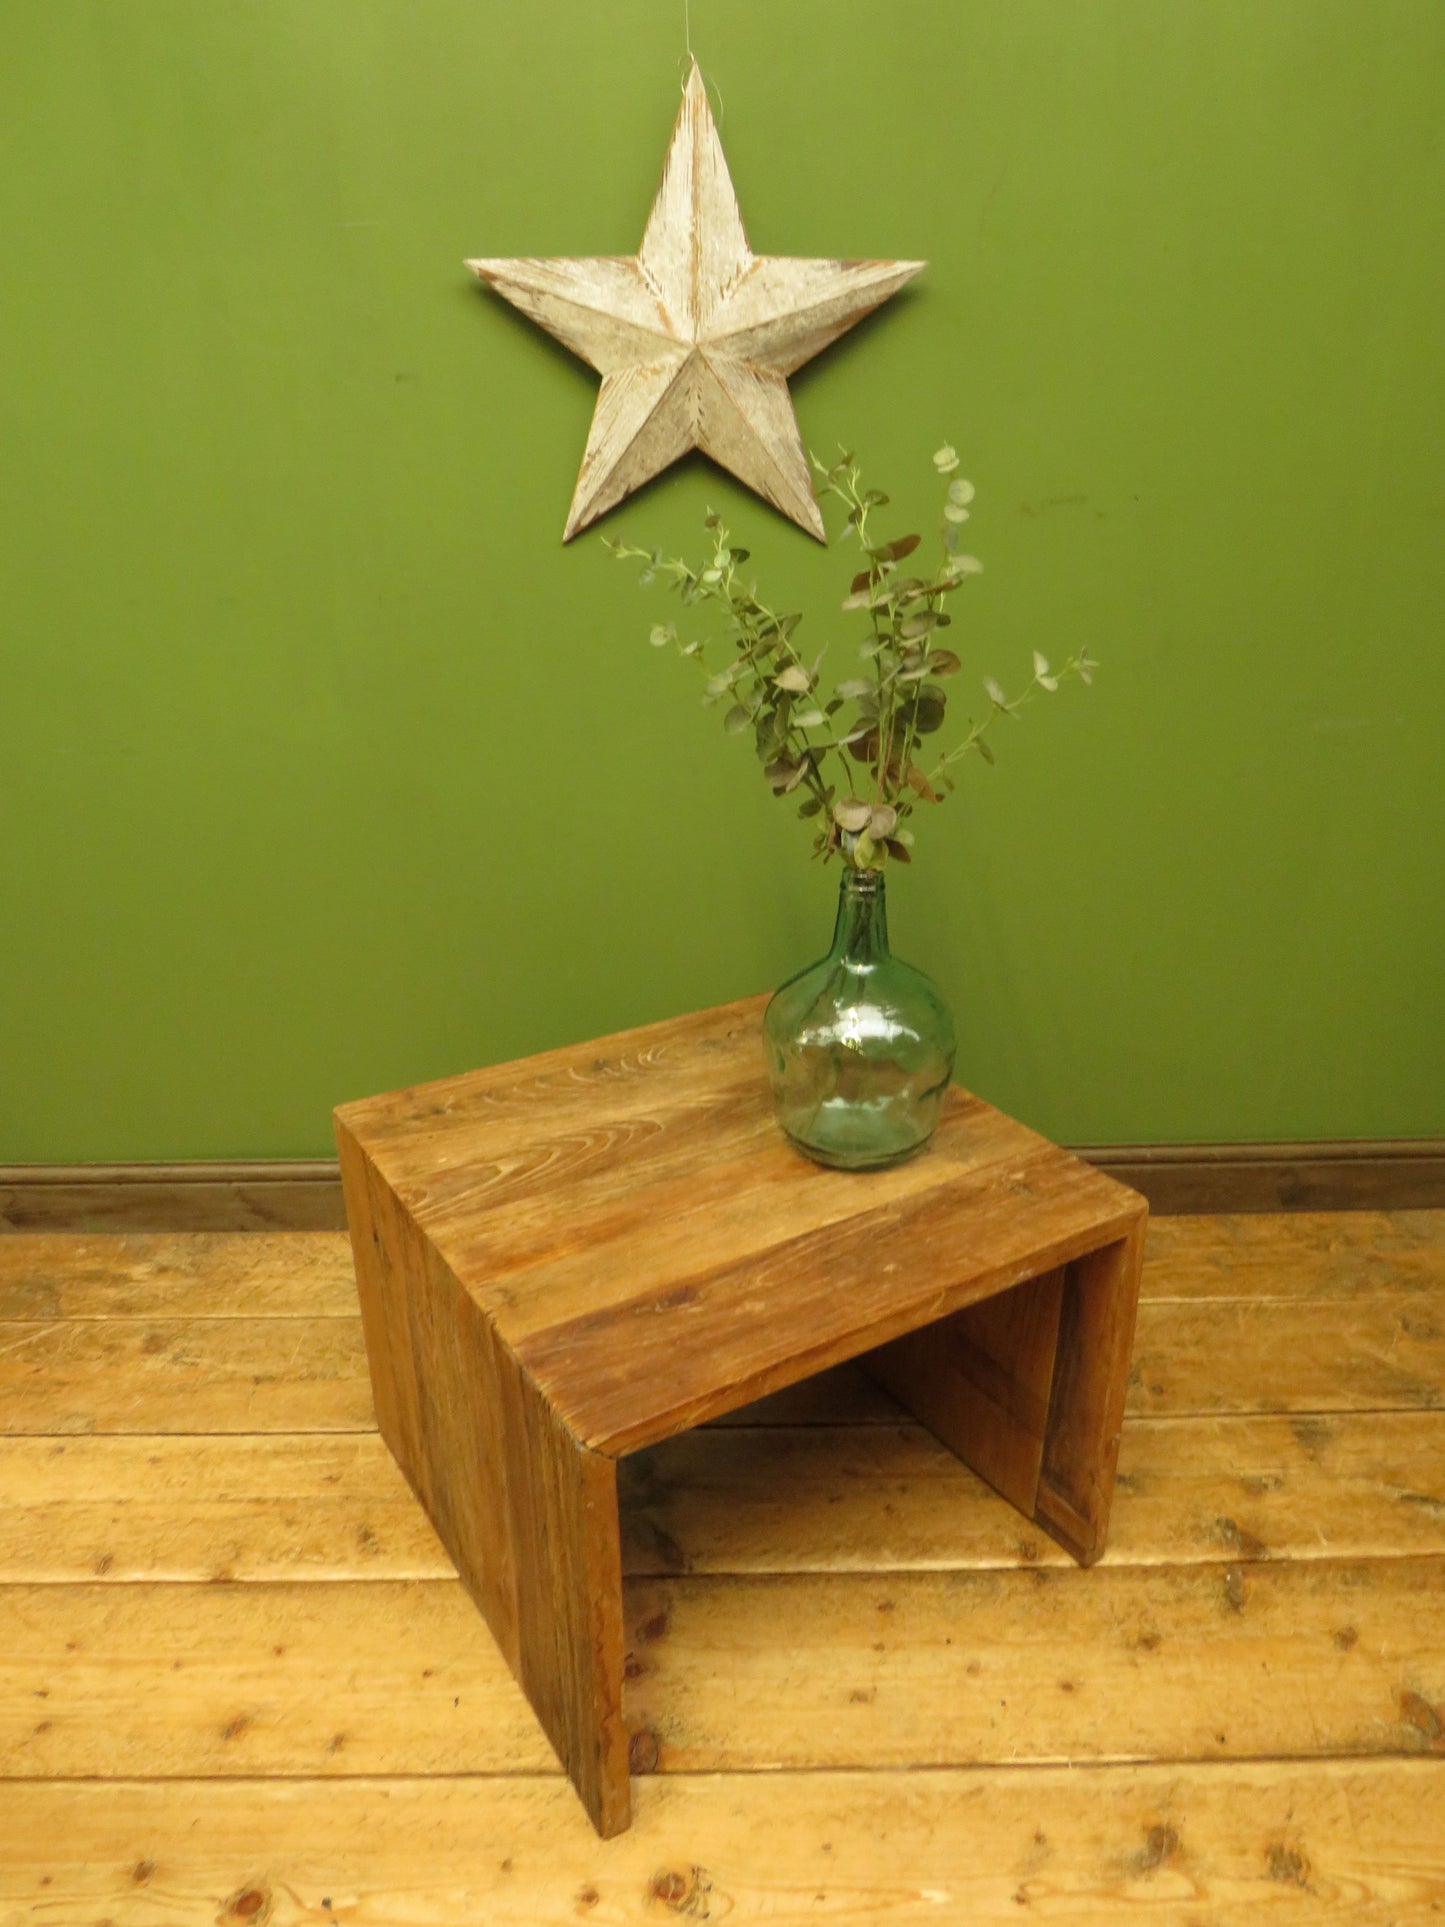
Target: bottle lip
862, 883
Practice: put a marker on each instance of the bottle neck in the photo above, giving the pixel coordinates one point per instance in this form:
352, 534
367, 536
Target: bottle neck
860, 936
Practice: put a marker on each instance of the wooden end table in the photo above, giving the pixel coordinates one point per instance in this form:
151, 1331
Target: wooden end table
563, 1260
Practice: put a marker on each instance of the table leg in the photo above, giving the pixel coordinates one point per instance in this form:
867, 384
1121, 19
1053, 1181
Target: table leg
1086, 1404
527, 1513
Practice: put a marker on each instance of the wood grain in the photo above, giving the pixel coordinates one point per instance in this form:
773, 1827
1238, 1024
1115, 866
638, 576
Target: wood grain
184, 1375
1295, 1256
236, 1507
839, 1670
944, 1669
881, 1498
814, 1498
1368, 1177
225, 1680
578, 1295
980, 1381
1299, 1256
1281, 1567
253, 1274
1372, 1353
1086, 1402
525, 1510
232, 1194
567, 1259
1381, 1174
1353, 1844
1377, 1352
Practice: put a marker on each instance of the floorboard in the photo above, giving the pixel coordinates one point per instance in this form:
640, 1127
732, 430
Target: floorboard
239, 1681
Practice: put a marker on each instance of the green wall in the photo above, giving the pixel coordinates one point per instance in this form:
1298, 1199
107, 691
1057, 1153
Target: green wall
325, 767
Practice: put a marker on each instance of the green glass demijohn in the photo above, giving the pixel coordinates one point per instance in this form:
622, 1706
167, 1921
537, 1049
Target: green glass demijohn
860, 1044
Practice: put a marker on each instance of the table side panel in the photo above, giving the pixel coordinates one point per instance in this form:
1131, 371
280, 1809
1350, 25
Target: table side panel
1086, 1404
376, 1239
980, 1381
441, 1367
527, 1514
564, 1519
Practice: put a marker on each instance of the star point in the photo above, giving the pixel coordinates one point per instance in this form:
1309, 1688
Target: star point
695, 335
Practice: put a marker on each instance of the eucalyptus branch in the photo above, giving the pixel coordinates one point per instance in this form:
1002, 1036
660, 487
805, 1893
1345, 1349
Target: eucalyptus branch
894, 708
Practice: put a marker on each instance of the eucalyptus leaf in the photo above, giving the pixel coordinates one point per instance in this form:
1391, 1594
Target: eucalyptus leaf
984, 751
882, 820
794, 677
896, 550
960, 493
945, 459
943, 662
855, 687
852, 813
736, 720
929, 711
808, 718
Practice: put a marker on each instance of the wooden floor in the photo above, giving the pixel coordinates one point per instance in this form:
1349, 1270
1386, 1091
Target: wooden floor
239, 1684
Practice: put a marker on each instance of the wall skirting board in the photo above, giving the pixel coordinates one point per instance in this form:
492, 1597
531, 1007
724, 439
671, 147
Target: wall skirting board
304, 1194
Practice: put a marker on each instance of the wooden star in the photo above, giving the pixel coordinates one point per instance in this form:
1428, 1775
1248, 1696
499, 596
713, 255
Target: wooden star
694, 336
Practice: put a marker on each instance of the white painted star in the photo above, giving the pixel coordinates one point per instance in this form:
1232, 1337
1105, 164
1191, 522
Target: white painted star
695, 335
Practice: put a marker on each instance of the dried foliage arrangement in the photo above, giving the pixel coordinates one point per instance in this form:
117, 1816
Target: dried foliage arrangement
863, 752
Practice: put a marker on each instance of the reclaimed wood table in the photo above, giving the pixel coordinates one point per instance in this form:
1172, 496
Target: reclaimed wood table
563, 1260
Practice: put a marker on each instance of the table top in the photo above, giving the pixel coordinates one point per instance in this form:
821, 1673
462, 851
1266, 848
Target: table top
643, 1238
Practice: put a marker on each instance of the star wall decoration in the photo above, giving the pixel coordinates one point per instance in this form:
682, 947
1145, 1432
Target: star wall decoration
695, 335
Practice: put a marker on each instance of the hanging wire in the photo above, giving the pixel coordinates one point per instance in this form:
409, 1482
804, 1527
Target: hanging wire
689, 57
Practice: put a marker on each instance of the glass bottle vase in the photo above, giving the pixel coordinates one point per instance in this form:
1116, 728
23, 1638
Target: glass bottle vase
860, 1044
